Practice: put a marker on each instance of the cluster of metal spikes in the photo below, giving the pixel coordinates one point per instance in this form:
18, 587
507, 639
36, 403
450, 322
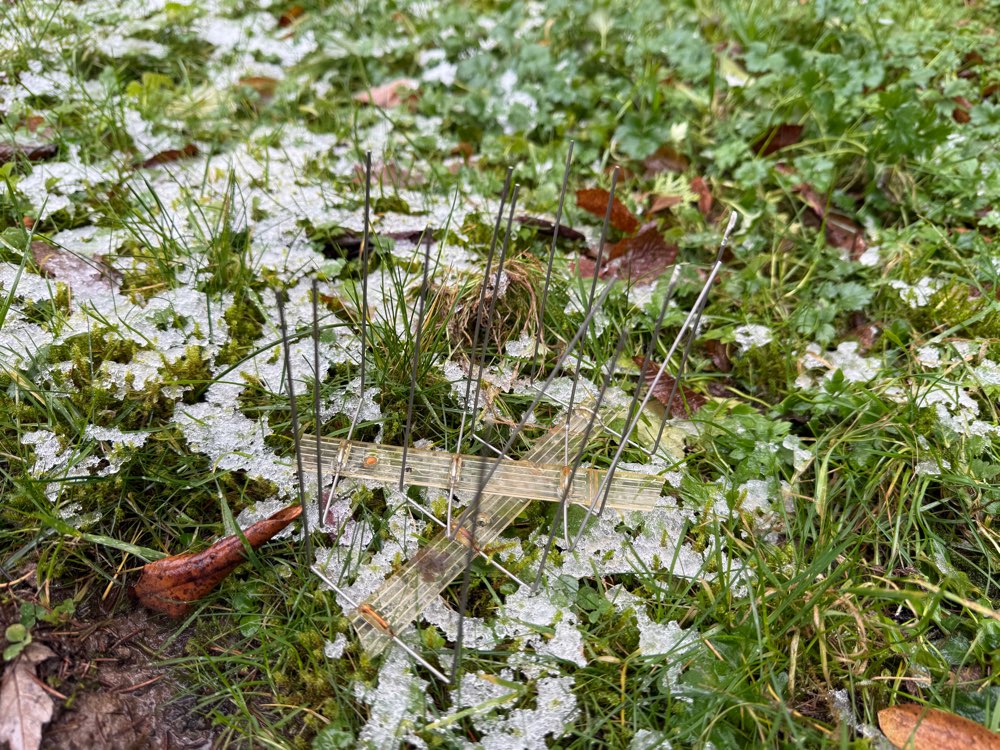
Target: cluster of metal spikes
501, 487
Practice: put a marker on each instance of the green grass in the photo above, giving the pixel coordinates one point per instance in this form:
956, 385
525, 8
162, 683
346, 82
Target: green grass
868, 576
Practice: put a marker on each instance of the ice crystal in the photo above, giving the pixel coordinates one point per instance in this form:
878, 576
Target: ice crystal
395, 706
335, 649
750, 336
919, 294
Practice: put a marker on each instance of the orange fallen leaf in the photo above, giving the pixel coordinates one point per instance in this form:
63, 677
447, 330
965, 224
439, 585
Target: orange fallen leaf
595, 201
13, 151
920, 728
390, 94
171, 154
662, 202
685, 401
705, 201
777, 138
290, 16
263, 85
961, 112
173, 584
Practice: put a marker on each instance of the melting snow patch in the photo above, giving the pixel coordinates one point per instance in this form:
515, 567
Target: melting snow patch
931, 468
855, 368
988, 372
528, 728
396, 706
335, 649
750, 336
919, 294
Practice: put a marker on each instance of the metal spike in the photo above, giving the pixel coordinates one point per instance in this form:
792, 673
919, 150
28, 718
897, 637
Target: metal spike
293, 408
488, 329
590, 299
364, 330
629, 427
563, 507
416, 358
552, 255
476, 329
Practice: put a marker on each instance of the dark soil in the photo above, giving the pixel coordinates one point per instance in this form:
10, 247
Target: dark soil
116, 694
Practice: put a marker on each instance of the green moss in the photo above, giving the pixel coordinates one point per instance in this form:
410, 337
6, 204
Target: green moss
246, 325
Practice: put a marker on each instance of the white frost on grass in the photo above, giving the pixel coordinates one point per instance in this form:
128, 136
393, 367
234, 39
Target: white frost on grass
931, 467
751, 336
529, 728
476, 633
919, 294
855, 368
956, 410
335, 649
987, 372
929, 356
396, 707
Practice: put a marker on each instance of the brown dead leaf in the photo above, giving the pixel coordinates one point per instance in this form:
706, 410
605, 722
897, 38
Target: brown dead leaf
290, 16
77, 271
171, 154
173, 584
961, 112
920, 728
685, 402
665, 159
39, 152
705, 201
641, 258
662, 202
24, 706
390, 94
546, 227
841, 231
263, 85
719, 353
595, 201
777, 138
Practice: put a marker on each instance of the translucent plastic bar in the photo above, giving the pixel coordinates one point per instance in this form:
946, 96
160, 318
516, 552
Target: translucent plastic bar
401, 599
525, 479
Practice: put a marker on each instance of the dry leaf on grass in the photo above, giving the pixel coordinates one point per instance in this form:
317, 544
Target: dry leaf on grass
290, 16
173, 584
78, 272
14, 151
24, 706
841, 231
640, 258
920, 728
171, 154
685, 402
595, 201
390, 94
263, 85
777, 138
664, 159
545, 228
705, 201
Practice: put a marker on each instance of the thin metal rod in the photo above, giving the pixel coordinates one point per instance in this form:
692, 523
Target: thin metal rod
395, 638
463, 598
476, 329
568, 478
605, 487
692, 333
590, 298
416, 359
552, 255
488, 329
364, 328
293, 408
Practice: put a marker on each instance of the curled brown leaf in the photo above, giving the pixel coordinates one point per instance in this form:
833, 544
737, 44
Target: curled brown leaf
685, 401
173, 584
29, 152
777, 138
665, 159
170, 155
705, 200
